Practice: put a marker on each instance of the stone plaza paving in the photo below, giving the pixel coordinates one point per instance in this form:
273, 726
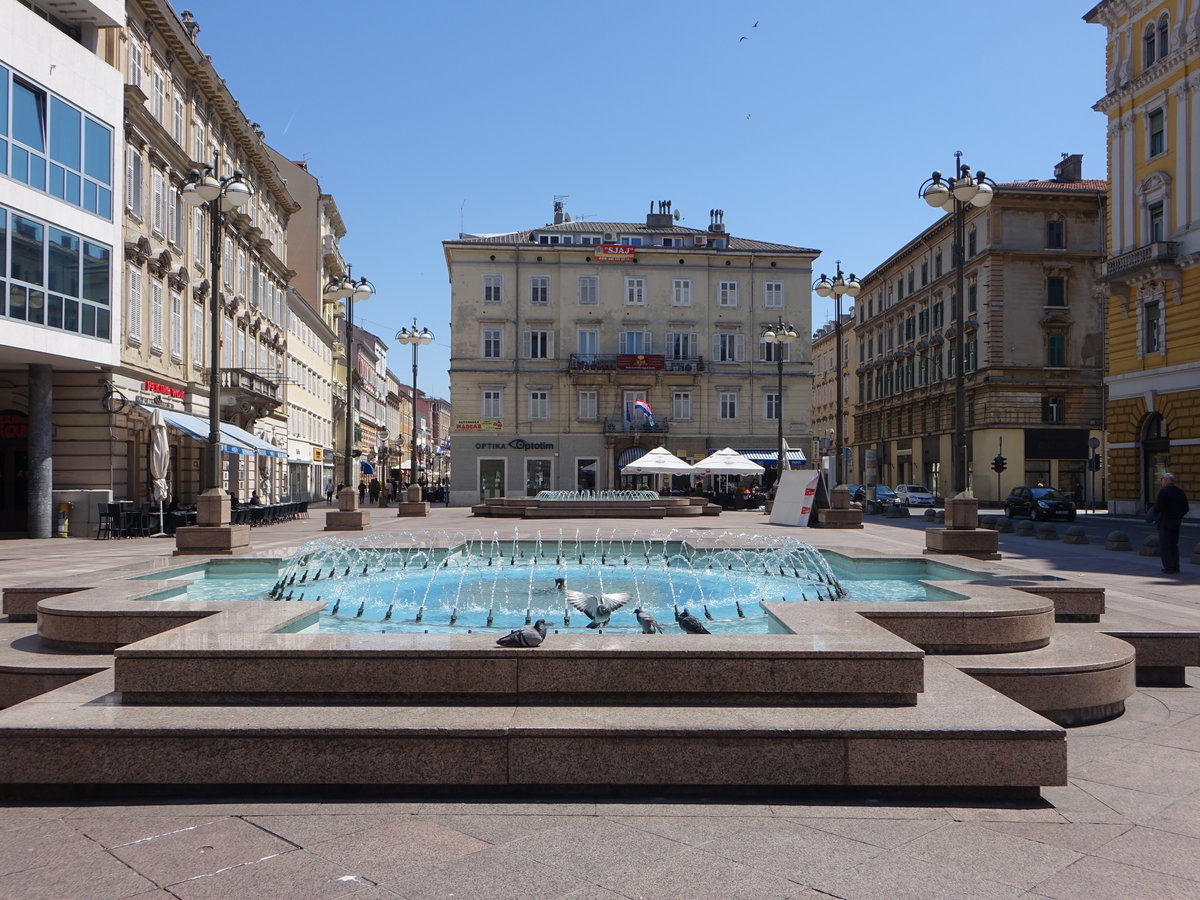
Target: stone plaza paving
1126, 826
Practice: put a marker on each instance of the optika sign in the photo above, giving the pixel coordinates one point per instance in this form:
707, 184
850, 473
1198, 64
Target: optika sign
515, 444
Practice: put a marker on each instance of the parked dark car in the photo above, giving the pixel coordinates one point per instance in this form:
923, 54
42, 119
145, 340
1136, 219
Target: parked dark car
1039, 503
884, 495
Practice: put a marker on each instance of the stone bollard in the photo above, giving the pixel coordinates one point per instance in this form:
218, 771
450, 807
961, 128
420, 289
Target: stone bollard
1117, 540
896, 512
939, 516
1076, 534
930, 515
1025, 528
988, 522
1150, 546
1047, 531
1004, 525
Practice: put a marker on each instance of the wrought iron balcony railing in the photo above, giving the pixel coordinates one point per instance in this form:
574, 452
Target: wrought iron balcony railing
1159, 251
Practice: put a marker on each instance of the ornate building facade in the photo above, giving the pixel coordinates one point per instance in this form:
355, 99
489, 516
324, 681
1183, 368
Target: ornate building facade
1152, 273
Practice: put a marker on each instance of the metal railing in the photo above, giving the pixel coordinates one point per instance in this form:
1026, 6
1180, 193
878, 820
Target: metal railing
595, 362
250, 382
620, 426
1142, 256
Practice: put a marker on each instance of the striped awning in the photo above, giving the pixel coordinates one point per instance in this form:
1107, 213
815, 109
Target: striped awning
770, 457
197, 429
628, 455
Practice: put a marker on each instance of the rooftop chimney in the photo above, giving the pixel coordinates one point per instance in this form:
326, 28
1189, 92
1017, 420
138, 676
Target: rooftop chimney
662, 218
558, 213
716, 221
1070, 168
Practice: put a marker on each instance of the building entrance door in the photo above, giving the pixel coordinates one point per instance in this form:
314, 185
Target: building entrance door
491, 478
14, 471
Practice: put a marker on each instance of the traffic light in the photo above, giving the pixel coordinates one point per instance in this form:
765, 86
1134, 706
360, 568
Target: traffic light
1096, 462
999, 464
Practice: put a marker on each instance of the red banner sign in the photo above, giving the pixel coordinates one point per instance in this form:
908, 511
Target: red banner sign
155, 388
640, 361
613, 252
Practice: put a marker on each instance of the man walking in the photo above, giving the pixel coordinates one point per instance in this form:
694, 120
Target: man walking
1170, 507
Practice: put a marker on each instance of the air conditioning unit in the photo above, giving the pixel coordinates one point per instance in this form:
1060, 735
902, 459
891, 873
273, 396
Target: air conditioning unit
701, 240
610, 237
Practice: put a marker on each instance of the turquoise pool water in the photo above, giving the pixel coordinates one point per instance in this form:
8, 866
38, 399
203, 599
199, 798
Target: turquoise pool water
495, 587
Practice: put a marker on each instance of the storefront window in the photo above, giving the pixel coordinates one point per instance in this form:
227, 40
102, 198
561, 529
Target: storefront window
537, 476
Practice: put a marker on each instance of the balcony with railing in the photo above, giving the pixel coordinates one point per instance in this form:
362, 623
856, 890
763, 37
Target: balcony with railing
1149, 255
621, 426
633, 362
252, 392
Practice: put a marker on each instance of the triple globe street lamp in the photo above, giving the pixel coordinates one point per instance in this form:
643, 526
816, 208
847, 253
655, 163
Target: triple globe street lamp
415, 338
957, 196
203, 187
778, 335
837, 288
349, 291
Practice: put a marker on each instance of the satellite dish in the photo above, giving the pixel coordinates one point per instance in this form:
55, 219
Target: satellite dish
678, 215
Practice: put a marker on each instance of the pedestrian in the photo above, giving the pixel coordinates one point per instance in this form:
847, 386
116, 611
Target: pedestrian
374, 490
329, 492
362, 492
1169, 508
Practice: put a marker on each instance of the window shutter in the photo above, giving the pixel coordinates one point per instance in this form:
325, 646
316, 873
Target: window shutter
129, 182
739, 345
156, 315
157, 205
173, 216
549, 345
526, 339
133, 315
648, 341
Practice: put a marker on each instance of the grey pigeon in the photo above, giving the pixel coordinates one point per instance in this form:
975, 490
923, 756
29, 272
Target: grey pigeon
598, 609
648, 622
525, 636
691, 624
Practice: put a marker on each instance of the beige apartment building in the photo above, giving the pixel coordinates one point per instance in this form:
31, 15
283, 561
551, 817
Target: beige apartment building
1033, 344
578, 346
178, 113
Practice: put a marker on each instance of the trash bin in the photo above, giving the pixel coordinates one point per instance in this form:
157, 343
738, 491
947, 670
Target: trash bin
62, 524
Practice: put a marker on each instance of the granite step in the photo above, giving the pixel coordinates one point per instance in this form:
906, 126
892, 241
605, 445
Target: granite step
1079, 678
961, 735
29, 668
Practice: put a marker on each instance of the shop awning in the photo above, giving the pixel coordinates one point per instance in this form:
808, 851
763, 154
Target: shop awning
197, 429
253, 441
628, 455
770, 457
367, 467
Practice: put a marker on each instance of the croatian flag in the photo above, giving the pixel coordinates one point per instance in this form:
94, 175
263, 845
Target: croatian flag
644, 408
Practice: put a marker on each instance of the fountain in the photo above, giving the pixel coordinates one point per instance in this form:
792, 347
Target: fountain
450, 581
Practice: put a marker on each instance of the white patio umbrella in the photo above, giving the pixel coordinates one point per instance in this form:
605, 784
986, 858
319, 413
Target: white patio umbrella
659, 461
160, 463
726, 462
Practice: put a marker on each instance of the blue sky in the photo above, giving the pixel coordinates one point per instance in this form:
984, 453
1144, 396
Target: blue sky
816, 130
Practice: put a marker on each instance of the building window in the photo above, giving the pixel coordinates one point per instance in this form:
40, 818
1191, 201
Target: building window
682, 345
1056, 290
1158, 132
197, 335
937, 264
729, 346
727, 406
924, 273
972, 359
588, 405
589, 290
939, 318
1152, 327
1056, 350
133, 305
158, 96
539, 289
156, 316
1164, 23
158, 203
635, 291
774, 351
1055, 234
771, 406
773, 294
539, 405
631, 241
134, 75
177, 327
727, 294
681, 292
539, 344
491, 404
910, 281
681, 406
635, 342
588, 342
1052, 411
198, 237
1157, 222
923, 321
134, 188
493, 343
900, 288
971, 244
493, 288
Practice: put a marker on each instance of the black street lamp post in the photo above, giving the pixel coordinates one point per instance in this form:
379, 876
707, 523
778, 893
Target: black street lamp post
778, 335
203, 187
415, 338
349, 291
956, 196
850, 288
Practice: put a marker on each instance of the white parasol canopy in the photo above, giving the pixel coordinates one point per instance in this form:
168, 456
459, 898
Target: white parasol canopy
160, 463
659, 461
726, 462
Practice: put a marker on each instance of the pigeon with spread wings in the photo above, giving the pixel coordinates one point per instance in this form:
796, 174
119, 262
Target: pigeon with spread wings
598, 609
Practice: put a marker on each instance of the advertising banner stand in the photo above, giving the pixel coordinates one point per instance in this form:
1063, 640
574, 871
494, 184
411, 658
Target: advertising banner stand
795, 497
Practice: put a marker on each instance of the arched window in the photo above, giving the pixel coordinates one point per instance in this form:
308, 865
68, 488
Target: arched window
1163, 22
1148, 43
